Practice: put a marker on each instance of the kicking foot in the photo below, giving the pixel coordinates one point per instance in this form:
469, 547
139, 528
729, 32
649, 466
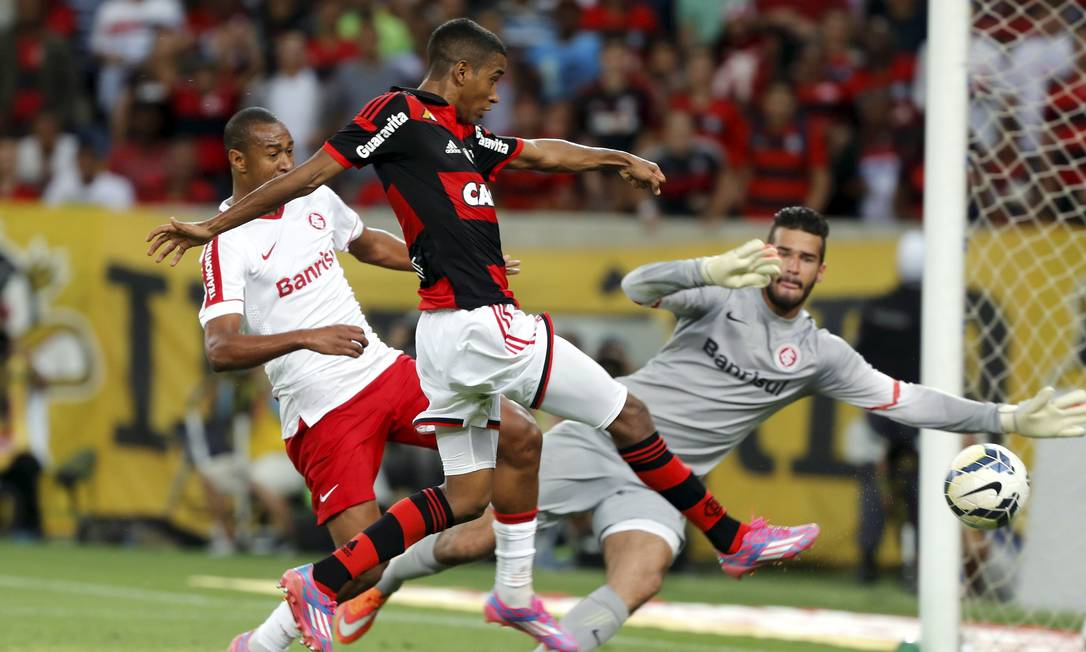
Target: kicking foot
764, 544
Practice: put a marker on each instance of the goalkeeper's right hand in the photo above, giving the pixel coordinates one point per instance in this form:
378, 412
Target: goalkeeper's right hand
1041, 416
752, 264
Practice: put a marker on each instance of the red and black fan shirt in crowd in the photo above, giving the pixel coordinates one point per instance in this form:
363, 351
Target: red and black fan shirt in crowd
435, 172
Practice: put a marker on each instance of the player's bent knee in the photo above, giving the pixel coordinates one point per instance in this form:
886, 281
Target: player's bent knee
632, 424
520, 444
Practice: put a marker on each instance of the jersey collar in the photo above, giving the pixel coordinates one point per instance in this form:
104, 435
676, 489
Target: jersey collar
278, 213
443, 112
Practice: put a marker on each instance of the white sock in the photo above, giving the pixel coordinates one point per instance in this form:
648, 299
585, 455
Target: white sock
514, 548
277, 633
418, 561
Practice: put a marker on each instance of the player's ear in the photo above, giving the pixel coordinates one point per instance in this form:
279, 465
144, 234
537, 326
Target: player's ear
460, 72
821, 273
236, 159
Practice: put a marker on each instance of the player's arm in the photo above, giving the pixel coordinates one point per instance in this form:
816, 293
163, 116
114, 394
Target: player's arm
555, 155
177, 237
673, 285
381, 248
227, 348
846, 376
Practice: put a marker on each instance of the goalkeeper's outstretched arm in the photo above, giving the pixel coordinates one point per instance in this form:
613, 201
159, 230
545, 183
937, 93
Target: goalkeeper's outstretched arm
846, 376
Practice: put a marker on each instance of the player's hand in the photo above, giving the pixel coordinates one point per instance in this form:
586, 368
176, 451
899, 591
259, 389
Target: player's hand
340, 339
512, 266
752, 264
176, 237
641, 173
1041, 416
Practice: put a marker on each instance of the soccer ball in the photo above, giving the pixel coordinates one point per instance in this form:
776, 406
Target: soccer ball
986, 486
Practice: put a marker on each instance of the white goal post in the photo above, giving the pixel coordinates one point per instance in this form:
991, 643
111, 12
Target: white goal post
1004, 309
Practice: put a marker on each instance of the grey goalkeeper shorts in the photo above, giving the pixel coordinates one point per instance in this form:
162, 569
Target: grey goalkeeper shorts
581, 471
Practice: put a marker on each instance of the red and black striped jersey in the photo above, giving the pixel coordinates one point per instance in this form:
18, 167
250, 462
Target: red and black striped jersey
435, 170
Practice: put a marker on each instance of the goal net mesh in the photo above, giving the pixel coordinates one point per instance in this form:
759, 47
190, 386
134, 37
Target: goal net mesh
1024, 587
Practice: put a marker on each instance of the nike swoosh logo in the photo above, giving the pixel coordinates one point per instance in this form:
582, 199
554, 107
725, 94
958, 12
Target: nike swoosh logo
324, 497
265, 256
996, 485
346, 629
731, 318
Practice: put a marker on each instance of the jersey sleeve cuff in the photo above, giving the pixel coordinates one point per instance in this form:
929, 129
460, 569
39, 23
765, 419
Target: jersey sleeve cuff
221, 308
334, 153
517, 149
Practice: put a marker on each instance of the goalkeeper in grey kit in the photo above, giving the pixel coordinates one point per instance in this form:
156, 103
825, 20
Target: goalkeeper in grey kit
736, 357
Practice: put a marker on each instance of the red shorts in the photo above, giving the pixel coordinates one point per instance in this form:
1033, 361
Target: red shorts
339, 455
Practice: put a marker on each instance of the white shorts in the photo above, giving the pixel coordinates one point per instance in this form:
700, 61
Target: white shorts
469, 359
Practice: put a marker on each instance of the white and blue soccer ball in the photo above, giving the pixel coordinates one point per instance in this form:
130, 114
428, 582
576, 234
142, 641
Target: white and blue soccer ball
986, 486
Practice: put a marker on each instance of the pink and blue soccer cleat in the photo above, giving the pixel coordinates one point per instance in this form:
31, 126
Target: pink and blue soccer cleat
240, 642
533, 621
764, 543
312, 609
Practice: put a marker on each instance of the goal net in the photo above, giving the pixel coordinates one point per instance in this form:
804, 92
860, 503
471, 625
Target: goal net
1024, 587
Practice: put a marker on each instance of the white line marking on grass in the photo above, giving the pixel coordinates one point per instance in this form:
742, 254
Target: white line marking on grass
113, 591
860, 631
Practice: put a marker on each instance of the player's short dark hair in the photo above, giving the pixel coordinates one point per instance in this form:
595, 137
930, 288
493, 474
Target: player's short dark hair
461, 39
803, 219
236, 134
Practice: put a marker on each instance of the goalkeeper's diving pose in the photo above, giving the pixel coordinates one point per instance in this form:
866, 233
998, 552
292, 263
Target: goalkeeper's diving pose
736, 357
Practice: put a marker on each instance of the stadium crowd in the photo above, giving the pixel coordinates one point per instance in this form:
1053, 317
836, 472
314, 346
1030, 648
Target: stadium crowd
748, 105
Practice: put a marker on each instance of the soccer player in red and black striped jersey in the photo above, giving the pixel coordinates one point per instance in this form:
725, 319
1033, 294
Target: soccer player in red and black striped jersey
474, 344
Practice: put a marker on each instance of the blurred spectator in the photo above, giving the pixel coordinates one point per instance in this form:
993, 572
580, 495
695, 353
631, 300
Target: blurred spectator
889, 339
569, 59
632, 18
617, 109
90, 183
694, 167
525, 189
328, 48
37, 71
293, 93
743, 61
360, 79
880, 166
701, 22
715, 118
10, 186
45, 152
123, 36
183, 182
800, 17
908, 21
614, 357
201, 102
234, 46
787, 158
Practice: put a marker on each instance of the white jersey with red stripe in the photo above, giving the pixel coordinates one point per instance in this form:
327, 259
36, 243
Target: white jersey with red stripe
280, 272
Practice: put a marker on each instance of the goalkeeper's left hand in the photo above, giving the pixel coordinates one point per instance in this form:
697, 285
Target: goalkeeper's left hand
751, 264
1043, 417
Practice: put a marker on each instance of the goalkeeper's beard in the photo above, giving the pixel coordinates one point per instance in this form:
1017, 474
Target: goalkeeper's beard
787, 303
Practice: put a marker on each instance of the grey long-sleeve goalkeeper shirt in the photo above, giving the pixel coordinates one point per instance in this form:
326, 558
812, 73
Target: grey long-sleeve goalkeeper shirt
731, 363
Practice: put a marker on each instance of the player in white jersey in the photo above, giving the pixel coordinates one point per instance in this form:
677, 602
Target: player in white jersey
342, 392
736, 358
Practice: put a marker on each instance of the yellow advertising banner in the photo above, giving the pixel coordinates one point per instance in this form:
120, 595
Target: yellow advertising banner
137, 358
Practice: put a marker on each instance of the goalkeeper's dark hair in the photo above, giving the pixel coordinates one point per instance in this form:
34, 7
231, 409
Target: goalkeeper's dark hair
461, 39
803, 219
236, 133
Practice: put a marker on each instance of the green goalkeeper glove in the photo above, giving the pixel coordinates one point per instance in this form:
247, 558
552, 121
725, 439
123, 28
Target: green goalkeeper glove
752, 264
1041, 416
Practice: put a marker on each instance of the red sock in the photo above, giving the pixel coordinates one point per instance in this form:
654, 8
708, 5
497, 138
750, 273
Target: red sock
654, 464
403, 525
